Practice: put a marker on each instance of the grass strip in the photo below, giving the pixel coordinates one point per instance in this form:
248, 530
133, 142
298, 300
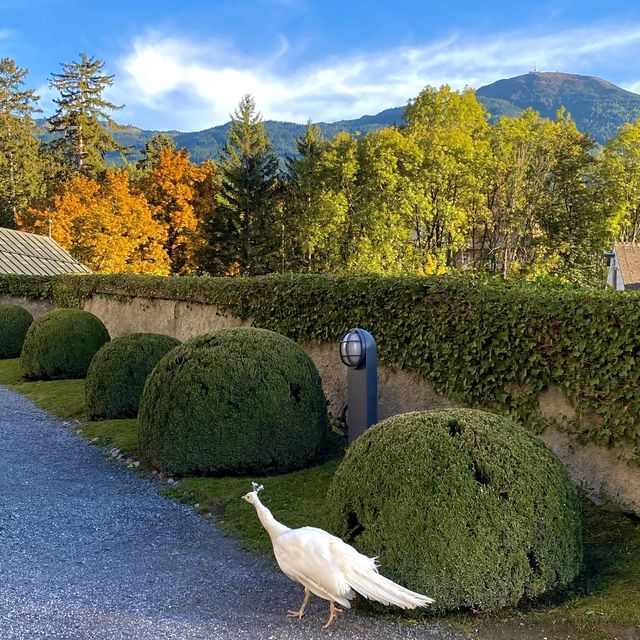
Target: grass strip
121, 434
63, 398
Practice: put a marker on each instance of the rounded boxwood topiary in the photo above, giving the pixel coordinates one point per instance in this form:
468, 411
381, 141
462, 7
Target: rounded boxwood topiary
461, 505
117, 374
61, 344
233, 401
14, 323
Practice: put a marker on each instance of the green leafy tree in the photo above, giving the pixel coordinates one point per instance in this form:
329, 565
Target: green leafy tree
351, 201
575, 227
82, 116
19, 165
451, 129
546, 211
336, 211
247, 233
505, 238
618, 178
389, 193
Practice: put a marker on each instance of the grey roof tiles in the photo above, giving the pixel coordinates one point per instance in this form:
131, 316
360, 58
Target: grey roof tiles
30, 254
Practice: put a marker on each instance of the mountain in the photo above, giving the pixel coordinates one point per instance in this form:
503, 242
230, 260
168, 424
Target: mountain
597, 106
210, 142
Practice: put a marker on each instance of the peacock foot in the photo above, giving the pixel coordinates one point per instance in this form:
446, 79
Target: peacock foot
333, 614
299, 614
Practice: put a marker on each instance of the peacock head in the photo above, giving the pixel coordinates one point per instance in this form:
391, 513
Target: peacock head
252, 496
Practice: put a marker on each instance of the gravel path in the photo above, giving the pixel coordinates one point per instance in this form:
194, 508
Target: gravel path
89, 550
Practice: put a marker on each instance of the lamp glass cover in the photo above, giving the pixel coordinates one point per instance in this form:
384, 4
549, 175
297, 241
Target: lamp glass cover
351, 349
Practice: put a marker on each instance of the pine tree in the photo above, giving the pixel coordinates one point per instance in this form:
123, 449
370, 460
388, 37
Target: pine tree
303, 191
152, 149
211, 225
18, 144
247, 234
82, 116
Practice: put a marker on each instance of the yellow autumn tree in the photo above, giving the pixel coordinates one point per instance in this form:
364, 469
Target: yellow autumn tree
170, 188
104, 224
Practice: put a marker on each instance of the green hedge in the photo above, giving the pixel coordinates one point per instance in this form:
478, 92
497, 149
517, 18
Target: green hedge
483, 343
233, 401
14, 323
461, 505
118, 372
61, 344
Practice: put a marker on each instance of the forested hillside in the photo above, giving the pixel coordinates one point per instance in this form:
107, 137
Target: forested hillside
209, 143
597, 107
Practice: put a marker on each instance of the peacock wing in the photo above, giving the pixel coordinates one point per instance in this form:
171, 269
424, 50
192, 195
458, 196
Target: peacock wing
307, 555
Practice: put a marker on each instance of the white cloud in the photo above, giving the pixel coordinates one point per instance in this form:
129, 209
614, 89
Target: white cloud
633, 86
175, 83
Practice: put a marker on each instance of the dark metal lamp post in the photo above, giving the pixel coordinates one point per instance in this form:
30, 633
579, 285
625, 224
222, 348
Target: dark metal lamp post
358, 352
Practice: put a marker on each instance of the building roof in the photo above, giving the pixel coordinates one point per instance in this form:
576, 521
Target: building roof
628, 257
30, 254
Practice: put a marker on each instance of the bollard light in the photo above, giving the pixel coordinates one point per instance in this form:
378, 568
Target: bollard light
358, 352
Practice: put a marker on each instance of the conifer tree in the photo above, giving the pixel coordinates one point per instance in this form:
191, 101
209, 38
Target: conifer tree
152, 149
82, 116
247, 233
18, 145
211, 225
303, 192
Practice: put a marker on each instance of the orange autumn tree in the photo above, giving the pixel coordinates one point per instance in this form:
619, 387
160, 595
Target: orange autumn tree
104, 224
170, 187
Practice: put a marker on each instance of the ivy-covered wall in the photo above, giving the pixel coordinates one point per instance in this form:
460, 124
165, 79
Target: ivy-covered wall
491, 344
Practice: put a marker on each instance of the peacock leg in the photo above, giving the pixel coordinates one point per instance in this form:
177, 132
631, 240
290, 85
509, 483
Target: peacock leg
333, 614
305, 602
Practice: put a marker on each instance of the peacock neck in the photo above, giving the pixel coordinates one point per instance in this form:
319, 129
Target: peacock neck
272, 526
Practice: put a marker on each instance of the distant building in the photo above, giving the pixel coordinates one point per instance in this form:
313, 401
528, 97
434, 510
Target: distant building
30, 254
624, 266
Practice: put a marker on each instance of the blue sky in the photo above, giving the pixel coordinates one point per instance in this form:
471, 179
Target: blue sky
184, 64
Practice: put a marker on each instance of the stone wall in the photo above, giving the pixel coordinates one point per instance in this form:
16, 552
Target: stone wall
609, 476
182, 320
398, 391
34, 307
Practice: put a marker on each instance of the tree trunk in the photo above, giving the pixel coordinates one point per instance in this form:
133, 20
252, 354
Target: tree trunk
14, 197
505, 259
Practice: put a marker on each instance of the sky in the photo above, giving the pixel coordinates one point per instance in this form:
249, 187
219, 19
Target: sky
185, 64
